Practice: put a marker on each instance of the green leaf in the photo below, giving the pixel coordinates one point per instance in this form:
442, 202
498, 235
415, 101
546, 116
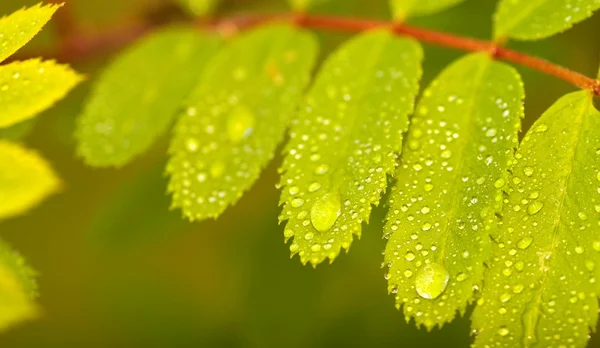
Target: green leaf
454, 162
20, 27
140, 93
17, 289
25, 179
236, 117
29, 87
200, 7
304, 5
346, 140
402, 9
537, 19
542, 284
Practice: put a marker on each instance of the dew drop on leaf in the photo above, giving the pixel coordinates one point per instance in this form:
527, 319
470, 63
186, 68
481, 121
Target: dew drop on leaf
431, 281
325, 211
240, 123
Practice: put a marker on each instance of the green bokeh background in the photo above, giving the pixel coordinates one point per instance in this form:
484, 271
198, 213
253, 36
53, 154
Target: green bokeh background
118, 269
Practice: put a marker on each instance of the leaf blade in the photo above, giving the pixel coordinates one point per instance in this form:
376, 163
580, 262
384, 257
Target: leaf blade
462, 135
544, 260
31, 86
26, 180
236, 117
538, 19
402, 9
21, 26
345, 142
17, 289
140, 93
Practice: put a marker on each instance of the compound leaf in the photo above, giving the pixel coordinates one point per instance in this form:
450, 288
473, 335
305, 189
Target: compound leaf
462, 136
236, 117
140, 93
21, 26
17, 289
31, 86
402, 9
542, 284
25, 179
537, 19
346, 140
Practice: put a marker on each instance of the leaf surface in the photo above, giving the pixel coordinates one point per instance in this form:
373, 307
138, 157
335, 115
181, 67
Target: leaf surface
542, 284
236, 117
140, 93
345, 142
402, 9
21, 26
538, 19
17, 288
31, 86
454, 161
25, 179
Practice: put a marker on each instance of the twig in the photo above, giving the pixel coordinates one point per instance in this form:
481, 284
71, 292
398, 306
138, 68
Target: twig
82, 46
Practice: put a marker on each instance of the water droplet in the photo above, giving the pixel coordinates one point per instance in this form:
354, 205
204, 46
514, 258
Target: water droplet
297, 202
503, 331
431, 281
583, 216
314, 187
446, 154
534, 207
240, 123
191, 144
425, 210
541, 128
409, 256
325, 211
461, 276
505, 297
408, 273
524, 243
293, 190
596, 245
579, 250
528, 171
322, 169
499, 183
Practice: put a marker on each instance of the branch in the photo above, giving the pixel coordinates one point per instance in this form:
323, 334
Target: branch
82, 46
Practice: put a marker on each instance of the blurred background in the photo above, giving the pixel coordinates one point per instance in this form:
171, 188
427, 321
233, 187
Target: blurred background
118, 269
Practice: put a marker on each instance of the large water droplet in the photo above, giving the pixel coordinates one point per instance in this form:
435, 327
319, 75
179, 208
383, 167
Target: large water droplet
534, 207
325, 211
524, 243
240, 123
431, 281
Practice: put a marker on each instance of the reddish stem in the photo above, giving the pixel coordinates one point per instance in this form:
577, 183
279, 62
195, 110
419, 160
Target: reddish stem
81, 46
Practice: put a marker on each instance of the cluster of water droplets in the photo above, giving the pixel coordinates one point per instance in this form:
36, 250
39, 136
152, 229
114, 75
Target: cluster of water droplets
344, 143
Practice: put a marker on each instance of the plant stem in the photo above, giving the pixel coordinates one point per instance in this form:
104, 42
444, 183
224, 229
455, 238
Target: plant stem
80, 46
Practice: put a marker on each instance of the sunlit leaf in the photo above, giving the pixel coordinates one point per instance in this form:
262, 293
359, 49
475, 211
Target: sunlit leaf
140, 93
346, 140
454, 163
199, 7
236, 117
542, 284
25, 179
304, 5
28, 87
407, 8
20, 27
537, 19
17, 289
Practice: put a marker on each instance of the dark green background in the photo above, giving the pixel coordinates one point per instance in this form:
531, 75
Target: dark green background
117, 269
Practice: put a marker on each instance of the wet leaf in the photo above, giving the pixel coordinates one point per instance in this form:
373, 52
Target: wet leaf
140, 93
236, 117
442, 207
537, 19
542, 284
402, 9
345, 142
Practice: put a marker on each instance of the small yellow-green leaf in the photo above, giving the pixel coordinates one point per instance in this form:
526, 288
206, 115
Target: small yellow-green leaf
21, 26
199, 7
537, 19
17, 289
304, 5
139, 94
453, 164
25, 179
402, 9
541, 287
345, 142
29, 87
236, 117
